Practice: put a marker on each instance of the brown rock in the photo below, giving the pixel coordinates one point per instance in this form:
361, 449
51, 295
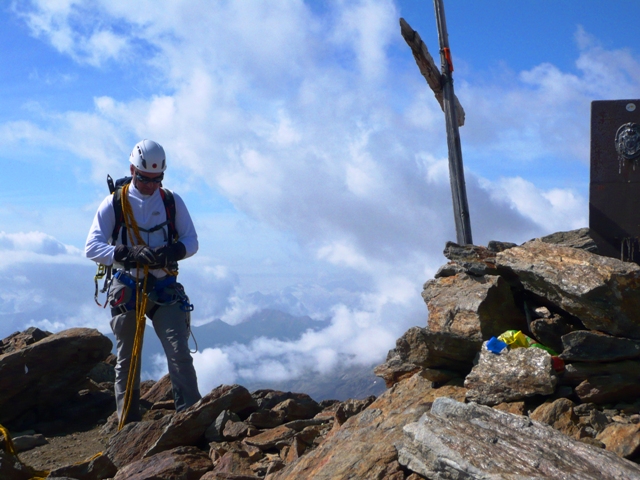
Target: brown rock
228, 476
188, 427
474, 259
419, 348
55, 367
19, 340
578, 372
161, 391
271, 438
609, 388
95, 469
235, 430
363, 446
188, 463
559, 414
292, 409
476, 308
515, 408
352, 407
579, 238
604, 293
236, 463
134, 440
267, 418
511, 376
621, 439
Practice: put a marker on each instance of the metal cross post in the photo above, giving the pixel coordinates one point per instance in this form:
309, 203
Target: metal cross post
456, 170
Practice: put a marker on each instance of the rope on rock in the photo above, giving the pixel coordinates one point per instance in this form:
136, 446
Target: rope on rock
10, 448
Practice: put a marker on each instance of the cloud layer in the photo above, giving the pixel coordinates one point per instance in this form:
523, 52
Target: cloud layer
320, 154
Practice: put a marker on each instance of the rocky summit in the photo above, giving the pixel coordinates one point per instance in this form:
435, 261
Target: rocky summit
528, 366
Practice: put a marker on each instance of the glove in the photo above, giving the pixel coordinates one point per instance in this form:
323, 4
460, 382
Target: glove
141, 254
167, 256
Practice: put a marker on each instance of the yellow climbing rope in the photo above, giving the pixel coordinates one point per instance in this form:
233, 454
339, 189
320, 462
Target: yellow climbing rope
141, 307
10, 448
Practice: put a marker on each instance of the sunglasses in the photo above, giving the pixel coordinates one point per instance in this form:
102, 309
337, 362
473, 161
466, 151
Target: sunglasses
146, 180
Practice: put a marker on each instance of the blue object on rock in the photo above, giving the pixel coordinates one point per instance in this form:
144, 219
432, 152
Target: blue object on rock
496, 346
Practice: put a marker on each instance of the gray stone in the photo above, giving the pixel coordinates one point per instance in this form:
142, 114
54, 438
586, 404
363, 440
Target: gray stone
214, 433
604, 293
579, 238
510, 376
549, 328
590, 346
470, 441
27, 442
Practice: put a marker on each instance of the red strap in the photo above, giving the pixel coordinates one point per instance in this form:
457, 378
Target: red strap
447, 55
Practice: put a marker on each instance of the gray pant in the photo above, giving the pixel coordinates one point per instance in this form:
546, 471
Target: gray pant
169, 322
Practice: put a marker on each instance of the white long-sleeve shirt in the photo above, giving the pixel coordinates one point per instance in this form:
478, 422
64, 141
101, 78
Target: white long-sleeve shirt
149, 211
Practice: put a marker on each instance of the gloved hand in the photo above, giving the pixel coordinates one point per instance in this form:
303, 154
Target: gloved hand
167, 256
141, 254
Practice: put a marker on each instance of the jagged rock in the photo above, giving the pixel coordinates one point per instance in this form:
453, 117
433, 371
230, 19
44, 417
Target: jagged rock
161, 391
363, 446
294, 409
187, 427
237, 430
271, 438
549, 328
578, 372
419, 348
590, 346
560, 415
516, 408
236, 463
609, 388
19, 340
604, 293
352, 407
134, 440
621, 439
512, 375
579, 238
55, 367
214, 433
496, 246
457, 440
228, 476
476, 308
12, 469
188, 463
98, 468
267, 418
475, 260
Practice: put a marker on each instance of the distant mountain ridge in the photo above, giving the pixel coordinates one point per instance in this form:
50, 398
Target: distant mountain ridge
341, 384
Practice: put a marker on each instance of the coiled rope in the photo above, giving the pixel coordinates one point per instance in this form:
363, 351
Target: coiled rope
141, 307
10, 448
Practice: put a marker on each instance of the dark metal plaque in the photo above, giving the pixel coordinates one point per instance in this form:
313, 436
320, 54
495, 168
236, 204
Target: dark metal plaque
614, 191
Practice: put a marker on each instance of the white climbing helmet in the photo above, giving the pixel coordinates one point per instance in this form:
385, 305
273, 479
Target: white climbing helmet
148, 156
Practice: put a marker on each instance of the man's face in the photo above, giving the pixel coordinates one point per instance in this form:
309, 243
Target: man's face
143, 181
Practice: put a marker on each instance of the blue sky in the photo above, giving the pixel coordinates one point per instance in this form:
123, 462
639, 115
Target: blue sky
309, 149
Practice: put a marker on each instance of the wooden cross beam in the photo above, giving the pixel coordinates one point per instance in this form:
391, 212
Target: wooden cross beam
427, 67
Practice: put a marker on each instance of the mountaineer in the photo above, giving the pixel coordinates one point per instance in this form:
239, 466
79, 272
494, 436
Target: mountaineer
139, 233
